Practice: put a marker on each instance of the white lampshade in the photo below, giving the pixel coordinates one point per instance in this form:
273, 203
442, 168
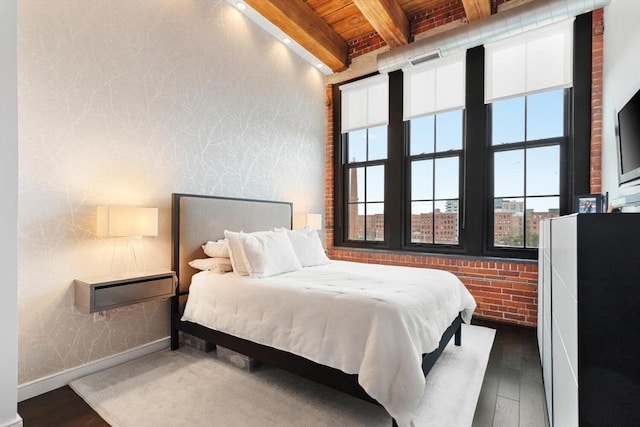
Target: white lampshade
314, 221
126, 221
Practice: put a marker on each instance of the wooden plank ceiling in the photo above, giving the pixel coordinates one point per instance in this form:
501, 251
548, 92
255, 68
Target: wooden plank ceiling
326, 27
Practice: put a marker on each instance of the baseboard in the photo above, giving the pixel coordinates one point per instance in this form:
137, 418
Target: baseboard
60, 379
17, 422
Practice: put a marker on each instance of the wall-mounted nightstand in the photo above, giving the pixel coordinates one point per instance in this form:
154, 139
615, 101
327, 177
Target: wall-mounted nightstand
106, 292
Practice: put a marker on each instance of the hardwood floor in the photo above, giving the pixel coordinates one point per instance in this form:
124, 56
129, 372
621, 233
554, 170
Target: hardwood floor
511, 395
61, 408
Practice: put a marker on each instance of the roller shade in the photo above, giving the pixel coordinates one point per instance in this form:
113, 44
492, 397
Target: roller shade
365, 103
435, 86
534, 61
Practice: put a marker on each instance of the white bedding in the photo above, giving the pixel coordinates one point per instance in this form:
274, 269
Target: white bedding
372, 320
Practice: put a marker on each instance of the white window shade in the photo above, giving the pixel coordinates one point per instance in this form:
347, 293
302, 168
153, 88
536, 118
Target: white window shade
537, 60
365, 103
438, 85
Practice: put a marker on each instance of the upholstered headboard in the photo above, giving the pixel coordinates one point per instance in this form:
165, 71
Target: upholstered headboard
197, 219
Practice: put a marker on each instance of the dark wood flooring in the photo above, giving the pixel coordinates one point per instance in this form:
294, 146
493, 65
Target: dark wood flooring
511, 395
61, 407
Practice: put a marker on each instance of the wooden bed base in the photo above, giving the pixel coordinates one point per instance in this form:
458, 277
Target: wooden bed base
195, 216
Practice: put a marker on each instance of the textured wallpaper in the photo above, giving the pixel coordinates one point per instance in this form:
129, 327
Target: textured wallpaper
122, 103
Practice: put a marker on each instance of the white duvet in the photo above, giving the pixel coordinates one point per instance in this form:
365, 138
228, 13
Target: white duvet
372, 320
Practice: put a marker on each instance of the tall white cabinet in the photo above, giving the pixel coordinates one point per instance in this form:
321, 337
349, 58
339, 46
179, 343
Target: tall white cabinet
588, 326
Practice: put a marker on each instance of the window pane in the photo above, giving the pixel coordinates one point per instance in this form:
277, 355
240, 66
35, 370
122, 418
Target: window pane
422, 222
378, 143
507, 121
545, 115
375, 221
508, 222
355, 222
421, 135
356, 185
539, 208
449, 131
422, 180
446, 222
447, 178
357, 144
375, 184
508, 173
543, 171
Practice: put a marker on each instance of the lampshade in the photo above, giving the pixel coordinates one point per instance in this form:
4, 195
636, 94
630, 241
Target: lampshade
314, 221
127, 221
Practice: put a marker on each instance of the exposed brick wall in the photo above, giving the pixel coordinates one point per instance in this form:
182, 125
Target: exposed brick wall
596, 101
443, 14
328, 168
504, 290
365, 44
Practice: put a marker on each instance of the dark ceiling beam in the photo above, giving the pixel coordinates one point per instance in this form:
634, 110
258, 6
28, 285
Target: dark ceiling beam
477, 9
302, 24
388, 19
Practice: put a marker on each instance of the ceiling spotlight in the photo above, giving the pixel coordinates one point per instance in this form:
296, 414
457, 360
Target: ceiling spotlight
286, 40
319, 65
241, 6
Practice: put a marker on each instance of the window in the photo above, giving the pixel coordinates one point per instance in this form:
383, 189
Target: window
465, 167
366, 156
435, 156
527, 136
365, 114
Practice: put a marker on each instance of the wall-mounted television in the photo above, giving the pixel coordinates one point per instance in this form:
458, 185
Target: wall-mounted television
628, 140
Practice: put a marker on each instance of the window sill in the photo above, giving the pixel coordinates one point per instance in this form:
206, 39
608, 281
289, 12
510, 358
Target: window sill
423, 254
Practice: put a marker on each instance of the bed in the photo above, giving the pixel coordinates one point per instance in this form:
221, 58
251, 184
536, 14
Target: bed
318, 294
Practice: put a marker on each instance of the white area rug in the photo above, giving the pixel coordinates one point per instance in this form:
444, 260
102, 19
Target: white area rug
191, 388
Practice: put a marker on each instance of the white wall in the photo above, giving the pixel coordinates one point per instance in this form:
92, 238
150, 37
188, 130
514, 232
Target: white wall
8, 215
621, 79
124, 103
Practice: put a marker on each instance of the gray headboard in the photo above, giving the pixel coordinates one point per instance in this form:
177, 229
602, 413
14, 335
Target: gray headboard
195, 219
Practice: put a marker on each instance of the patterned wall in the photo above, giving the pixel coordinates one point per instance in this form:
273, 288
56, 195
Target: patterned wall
122, 103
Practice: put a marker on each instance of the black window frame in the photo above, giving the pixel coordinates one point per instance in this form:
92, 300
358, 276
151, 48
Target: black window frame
562, 142
408, 158
476, 228
346, 173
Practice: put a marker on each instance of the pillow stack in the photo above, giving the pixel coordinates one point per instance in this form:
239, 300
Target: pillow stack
263, 253
219, 261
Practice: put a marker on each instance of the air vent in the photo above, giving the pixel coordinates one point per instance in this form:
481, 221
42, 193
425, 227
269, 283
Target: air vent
425, 58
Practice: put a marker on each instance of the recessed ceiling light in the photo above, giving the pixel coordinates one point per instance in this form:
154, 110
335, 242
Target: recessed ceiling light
319, 65
286, 40
241, 5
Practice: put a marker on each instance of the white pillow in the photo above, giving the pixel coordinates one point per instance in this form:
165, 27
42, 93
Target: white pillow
236, 252
218, 249
216, 265
307, 246
269, 253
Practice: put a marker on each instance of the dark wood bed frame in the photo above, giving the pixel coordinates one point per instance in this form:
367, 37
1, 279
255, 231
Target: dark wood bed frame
334, 378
